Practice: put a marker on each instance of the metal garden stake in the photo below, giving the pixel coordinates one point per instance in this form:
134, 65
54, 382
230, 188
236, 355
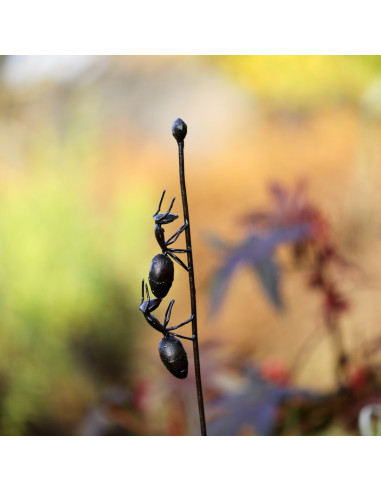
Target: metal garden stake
160, 278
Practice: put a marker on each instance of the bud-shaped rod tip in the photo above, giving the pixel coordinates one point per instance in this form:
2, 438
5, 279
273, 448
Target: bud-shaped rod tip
179, 130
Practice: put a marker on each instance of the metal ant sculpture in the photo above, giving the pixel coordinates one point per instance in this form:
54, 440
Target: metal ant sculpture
160, 278
171, 350
161, 272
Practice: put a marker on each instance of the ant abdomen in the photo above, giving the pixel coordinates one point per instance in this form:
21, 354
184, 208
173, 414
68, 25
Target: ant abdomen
161, 275
173, 356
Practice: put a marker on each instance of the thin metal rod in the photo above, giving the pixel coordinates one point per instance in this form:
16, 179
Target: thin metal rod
180, 135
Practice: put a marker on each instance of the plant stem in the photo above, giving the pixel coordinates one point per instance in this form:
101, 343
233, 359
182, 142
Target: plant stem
179, 130
341, 356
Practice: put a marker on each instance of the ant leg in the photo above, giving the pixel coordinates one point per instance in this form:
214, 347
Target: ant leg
179, 250
181, 324
178, 261
174, 237
168, 313
161, 201
182, 336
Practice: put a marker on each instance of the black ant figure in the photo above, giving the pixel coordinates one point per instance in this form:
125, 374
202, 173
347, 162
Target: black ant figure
161, 272
171, 350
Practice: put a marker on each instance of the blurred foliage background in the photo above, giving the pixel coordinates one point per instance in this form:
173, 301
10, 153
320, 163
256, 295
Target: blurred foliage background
86, 150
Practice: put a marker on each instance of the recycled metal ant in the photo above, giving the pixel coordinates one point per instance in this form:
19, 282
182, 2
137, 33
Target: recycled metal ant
161, 272
171, 350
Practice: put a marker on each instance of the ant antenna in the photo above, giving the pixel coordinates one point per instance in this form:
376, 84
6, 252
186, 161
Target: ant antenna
168, 312
148, 298
170, 207
142, 291
161, 201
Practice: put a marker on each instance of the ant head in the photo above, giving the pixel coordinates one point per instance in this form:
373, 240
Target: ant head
167, 217
149, 305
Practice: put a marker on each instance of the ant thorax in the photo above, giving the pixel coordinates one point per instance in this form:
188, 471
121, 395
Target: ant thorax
160, 238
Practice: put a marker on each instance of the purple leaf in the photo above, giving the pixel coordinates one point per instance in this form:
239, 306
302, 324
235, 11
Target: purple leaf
219, 285
255, 405
216, 242
269, 274
256, 250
